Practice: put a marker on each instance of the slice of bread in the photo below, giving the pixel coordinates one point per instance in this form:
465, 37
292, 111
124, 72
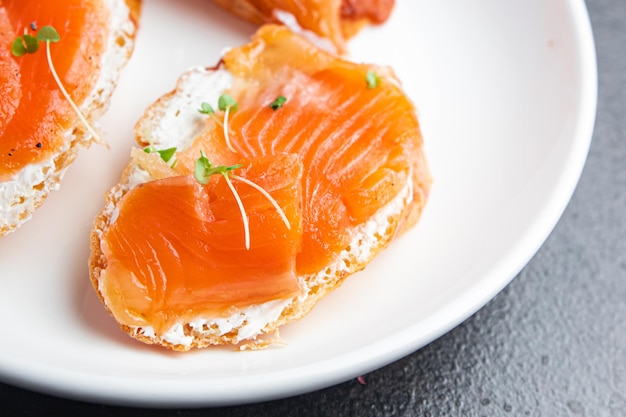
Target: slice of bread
174, 121
27, 189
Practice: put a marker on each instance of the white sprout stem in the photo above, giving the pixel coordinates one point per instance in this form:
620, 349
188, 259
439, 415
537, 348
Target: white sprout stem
267, 195
242, 210
68, 98
226, 112
217, 120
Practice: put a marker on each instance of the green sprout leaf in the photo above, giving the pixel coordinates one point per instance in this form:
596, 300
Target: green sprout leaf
372, 79
48, 34
226, 102
26, 44
18, 48
31, 42
204, 169
165, 154
278, 103
206, 108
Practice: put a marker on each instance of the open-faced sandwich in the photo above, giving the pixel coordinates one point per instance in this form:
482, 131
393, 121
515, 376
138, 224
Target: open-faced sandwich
333, 20
58, 68
258, 186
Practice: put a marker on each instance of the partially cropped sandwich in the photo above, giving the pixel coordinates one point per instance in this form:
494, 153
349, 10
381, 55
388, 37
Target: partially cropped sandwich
40, 132
257, 187
333, 20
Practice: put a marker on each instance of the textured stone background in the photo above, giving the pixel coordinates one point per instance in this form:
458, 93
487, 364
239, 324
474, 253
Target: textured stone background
553, 343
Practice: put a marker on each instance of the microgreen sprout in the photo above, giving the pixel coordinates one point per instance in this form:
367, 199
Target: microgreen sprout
28, 44
25, 44
165, 154
278, 103
48, 34
204, 169
206, 108
372, 79
227, 104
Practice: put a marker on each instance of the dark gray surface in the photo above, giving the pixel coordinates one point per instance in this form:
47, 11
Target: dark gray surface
553, 343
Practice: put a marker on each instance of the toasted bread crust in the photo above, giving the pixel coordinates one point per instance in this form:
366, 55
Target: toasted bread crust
26, 192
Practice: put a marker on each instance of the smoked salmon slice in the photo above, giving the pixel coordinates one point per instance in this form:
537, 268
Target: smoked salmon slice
359, 145
337, 145
38, 127
181, 240
335, 20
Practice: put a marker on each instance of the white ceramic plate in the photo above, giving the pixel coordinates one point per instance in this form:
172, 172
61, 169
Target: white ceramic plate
506, 93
